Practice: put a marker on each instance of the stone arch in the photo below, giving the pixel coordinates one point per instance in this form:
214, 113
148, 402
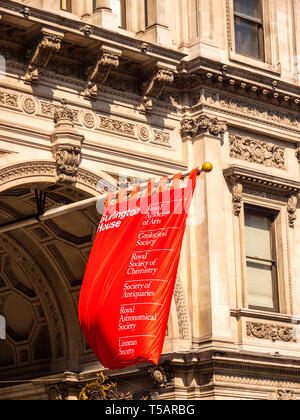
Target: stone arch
58, 305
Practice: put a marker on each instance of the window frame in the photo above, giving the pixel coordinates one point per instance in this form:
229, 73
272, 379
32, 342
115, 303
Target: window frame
271, 62
68, 6
272, 215
261, 34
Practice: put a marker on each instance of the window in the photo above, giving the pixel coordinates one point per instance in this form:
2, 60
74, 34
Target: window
66, 5
261, 264
248, 28
146, 14
118, 8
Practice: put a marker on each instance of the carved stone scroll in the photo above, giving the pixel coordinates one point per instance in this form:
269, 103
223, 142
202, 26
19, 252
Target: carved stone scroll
107, 61
161, 76
49, 44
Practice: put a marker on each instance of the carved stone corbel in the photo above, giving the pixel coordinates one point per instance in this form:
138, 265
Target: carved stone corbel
106, 62
49, 44
160, 77
66, 145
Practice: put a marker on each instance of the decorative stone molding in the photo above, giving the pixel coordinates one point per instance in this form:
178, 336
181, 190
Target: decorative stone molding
48, 45
29, 105
264, 185
283, 395
161, 377
256, 151
271, 332
66, 145
160, 77
181, 311
107, 61
115, 125
237, 197
191, 128
67, 160
291, 209
248, 110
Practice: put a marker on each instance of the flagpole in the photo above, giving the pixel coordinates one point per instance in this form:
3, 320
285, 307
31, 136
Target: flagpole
83, 204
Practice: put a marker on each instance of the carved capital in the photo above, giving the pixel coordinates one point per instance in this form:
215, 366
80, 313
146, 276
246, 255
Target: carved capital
48, 44
63, 115
201, 125
107, 61
160, 77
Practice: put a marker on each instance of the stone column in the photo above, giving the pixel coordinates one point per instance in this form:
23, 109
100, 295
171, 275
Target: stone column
158, 30
103, 16
102, 5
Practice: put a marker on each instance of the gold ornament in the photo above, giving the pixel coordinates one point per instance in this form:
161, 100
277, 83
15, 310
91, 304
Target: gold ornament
207, 167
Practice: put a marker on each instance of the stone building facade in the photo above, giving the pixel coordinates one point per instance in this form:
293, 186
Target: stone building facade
95, 94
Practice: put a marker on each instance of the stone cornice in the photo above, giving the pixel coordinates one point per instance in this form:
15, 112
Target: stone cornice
268, 185
260, 180
227, 78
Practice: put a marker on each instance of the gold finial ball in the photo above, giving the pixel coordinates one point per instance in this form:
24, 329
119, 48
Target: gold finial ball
207, 167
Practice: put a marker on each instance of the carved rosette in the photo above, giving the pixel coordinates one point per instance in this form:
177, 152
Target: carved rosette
107, 61
161, 76
49, 44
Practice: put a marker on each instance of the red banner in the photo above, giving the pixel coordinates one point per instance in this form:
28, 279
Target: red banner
130, 276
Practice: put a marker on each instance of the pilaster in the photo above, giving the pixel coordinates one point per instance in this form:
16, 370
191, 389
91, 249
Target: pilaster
209, 286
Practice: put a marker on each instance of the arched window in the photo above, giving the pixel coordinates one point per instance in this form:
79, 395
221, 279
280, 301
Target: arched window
66, 5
